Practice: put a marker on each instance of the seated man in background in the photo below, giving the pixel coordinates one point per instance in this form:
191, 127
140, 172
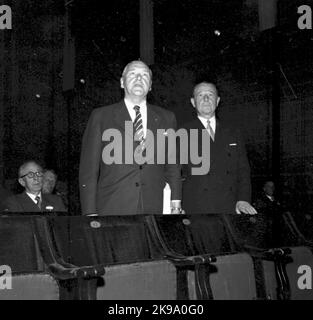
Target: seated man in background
33, 199
266, 202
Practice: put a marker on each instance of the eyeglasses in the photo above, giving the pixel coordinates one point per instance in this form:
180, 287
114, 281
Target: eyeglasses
31, 175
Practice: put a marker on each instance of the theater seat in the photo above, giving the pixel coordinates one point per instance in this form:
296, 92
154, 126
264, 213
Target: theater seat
151, 280
121, 244
278, 252
27, 248
217, 270
33, 286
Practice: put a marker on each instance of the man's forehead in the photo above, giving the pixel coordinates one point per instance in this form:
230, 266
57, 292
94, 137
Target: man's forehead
31, 167
136, 65
210, 87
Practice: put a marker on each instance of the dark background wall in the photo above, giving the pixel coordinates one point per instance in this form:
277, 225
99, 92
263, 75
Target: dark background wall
194, 40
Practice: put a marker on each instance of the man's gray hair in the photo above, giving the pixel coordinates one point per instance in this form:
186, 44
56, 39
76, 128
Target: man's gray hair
25, 164
133, 62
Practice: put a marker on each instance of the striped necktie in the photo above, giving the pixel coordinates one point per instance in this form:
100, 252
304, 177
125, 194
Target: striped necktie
210, 130
38, 202
139, 134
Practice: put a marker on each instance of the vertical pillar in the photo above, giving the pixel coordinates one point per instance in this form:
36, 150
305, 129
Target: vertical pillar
267, 10
146, 31
68, 90
267, 14
2, 103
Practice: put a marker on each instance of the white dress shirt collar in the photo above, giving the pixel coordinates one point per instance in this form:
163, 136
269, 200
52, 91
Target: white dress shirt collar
143, 110
204, 121
33, 197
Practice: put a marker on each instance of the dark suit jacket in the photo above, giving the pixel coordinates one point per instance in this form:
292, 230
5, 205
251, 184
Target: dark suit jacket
264, 205
228, 180
4, 194
23, 203
123, 189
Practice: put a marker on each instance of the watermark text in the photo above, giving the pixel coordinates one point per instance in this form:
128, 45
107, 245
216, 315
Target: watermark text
5, 17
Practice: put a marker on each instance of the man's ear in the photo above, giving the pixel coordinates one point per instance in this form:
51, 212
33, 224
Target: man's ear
21, 182
218, 101
122, 83
192, 100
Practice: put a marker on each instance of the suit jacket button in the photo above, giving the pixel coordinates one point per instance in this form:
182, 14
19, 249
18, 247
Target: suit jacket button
140, 167
137, 184
227, 172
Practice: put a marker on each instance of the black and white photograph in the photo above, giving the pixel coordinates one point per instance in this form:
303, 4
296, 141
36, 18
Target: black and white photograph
156, 150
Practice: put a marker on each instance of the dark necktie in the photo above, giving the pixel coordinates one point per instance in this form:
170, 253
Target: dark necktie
139, 127
210, 130
38, 202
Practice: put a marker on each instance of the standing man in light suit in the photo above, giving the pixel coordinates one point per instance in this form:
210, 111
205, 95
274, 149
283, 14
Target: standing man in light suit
121, 188
226, 188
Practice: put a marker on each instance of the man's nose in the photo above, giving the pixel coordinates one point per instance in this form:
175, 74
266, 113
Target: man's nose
139, 76
205, 97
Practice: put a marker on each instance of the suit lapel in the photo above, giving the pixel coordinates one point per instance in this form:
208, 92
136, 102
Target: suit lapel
219, 143
153, 124
120, 116
28, 204
216, 146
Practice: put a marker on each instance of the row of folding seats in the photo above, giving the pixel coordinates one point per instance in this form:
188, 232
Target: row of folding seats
157, 257
33, 270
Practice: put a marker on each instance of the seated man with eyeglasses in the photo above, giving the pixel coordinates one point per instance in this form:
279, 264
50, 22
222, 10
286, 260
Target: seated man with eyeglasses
32, 199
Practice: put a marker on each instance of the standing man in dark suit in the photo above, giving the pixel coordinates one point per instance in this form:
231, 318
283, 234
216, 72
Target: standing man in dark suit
32, 199
226, 187
121, 186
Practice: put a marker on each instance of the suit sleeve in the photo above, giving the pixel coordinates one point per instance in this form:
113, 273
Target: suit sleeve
90, 165
173, 171
12, 205
243, 177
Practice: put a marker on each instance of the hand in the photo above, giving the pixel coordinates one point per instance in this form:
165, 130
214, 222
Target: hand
177, 211
245, 207
176, 207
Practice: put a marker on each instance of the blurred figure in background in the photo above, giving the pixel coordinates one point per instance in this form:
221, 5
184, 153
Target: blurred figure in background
51, 185
267, 202
49, 181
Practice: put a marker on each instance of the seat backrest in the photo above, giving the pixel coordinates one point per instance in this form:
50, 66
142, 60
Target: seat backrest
18, 246
246, 230
107, 240
192, 235
302, 224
